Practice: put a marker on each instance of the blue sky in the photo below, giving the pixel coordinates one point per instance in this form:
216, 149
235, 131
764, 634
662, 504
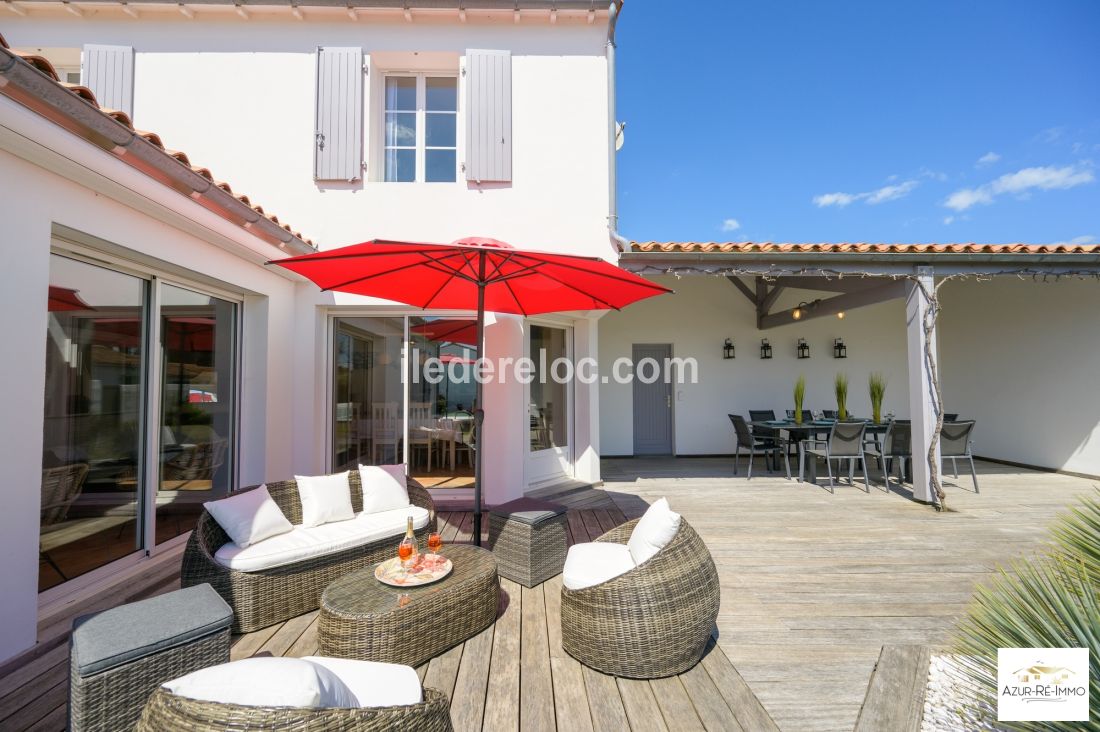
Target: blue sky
929, 121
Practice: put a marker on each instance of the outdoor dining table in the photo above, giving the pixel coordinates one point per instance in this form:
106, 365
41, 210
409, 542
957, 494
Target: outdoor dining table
810, 430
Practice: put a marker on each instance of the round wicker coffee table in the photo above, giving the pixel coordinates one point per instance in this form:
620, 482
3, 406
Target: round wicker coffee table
362, 618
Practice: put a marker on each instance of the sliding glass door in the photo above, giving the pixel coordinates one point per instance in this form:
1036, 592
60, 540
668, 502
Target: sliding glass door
96, 355
116, 480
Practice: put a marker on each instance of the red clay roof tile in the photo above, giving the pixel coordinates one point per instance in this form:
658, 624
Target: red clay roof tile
749, 247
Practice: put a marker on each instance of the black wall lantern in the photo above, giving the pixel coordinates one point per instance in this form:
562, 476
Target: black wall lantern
727, 349
839, 349
803, 348
765, 348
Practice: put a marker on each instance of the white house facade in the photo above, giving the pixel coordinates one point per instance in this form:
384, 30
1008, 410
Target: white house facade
155, 362
178, 366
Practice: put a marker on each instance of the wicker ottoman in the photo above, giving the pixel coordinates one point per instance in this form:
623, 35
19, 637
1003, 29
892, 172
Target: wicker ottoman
528, 538
118, 657
362, 618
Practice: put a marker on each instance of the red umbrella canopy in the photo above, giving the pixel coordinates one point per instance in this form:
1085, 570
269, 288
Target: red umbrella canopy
447, 276
448, 330
63, 298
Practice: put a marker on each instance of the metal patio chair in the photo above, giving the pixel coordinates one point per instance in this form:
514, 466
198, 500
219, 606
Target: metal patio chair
956, 444
807, 415
748, 441
897, 445
845, 443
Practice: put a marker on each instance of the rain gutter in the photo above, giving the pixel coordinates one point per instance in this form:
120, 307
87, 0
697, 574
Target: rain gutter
38, 92
619, 243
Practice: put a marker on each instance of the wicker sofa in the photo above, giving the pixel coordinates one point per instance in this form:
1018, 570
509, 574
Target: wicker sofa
270, 596
166, 712
654, 620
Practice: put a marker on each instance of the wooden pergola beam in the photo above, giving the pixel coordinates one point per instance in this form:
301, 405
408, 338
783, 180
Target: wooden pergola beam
834, 305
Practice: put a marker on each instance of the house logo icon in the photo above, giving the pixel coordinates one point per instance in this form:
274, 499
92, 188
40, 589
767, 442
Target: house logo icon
1055, 676
1043, 684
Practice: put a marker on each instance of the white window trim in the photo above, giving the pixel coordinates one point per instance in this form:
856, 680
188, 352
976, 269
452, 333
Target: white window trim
421, 125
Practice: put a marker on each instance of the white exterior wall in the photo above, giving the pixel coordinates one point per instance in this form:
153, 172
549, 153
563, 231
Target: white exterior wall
238, 97
697, 319
1022, 358
32, 200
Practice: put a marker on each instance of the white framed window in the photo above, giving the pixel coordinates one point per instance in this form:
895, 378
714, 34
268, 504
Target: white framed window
420, 142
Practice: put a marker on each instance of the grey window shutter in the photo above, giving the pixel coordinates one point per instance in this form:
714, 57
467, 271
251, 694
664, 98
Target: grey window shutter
489, 115
338, 133
109, 72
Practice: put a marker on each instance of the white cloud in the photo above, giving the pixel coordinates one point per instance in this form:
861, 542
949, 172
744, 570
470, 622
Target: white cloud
988, 159
890, 193
879, 195
948, 220
1020, 183
731, 225
835, 199
1080, 240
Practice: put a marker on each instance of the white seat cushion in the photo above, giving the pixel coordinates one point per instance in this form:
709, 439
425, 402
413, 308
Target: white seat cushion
591, 564
305, 542
653, 532
325, 498
375, 684
384, 487
267, 682
249, 517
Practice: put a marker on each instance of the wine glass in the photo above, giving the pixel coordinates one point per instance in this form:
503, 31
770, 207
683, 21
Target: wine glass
435, 542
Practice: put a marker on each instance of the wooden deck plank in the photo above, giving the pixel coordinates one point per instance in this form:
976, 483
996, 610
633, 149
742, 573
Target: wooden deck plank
307, 643
744, 704
46, 702
641, 707
249, 644
536, 708
675, 705
895, 696
288, 634
468, 700
443, 670
605, 703
502, 693
54, 721
712, 709
571, 707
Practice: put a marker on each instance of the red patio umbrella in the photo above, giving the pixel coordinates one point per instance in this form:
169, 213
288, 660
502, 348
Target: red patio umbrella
451, 330
474, 273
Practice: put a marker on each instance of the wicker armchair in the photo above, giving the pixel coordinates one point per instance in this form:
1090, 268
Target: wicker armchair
651, 622
166, 712
270, 596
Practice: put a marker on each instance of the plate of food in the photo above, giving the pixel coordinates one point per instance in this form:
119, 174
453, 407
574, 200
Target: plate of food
424, 570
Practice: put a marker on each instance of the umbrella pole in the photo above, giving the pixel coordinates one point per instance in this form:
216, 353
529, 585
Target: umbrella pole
479, 413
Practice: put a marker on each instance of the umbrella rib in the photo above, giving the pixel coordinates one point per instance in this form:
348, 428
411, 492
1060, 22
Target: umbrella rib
514, 297
430, 261
577, 289
632, 280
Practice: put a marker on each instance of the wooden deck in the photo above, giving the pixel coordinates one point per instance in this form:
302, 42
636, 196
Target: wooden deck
514, 675
815, 584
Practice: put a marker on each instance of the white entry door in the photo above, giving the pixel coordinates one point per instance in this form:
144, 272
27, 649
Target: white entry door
549, 405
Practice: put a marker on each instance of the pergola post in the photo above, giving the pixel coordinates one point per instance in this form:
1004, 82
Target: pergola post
921, 408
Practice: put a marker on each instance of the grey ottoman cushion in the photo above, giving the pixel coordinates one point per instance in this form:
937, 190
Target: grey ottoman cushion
107, 639
529, 510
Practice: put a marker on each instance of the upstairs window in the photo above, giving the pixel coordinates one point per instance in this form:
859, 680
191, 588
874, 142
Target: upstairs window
421, 128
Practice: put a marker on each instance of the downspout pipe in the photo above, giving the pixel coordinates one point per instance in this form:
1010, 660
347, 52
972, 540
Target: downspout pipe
617, 242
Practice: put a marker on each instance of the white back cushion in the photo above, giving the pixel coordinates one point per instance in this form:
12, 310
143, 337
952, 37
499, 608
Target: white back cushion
267, 682
325, 498
384, 487
653, 532
375, 684
249, 517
